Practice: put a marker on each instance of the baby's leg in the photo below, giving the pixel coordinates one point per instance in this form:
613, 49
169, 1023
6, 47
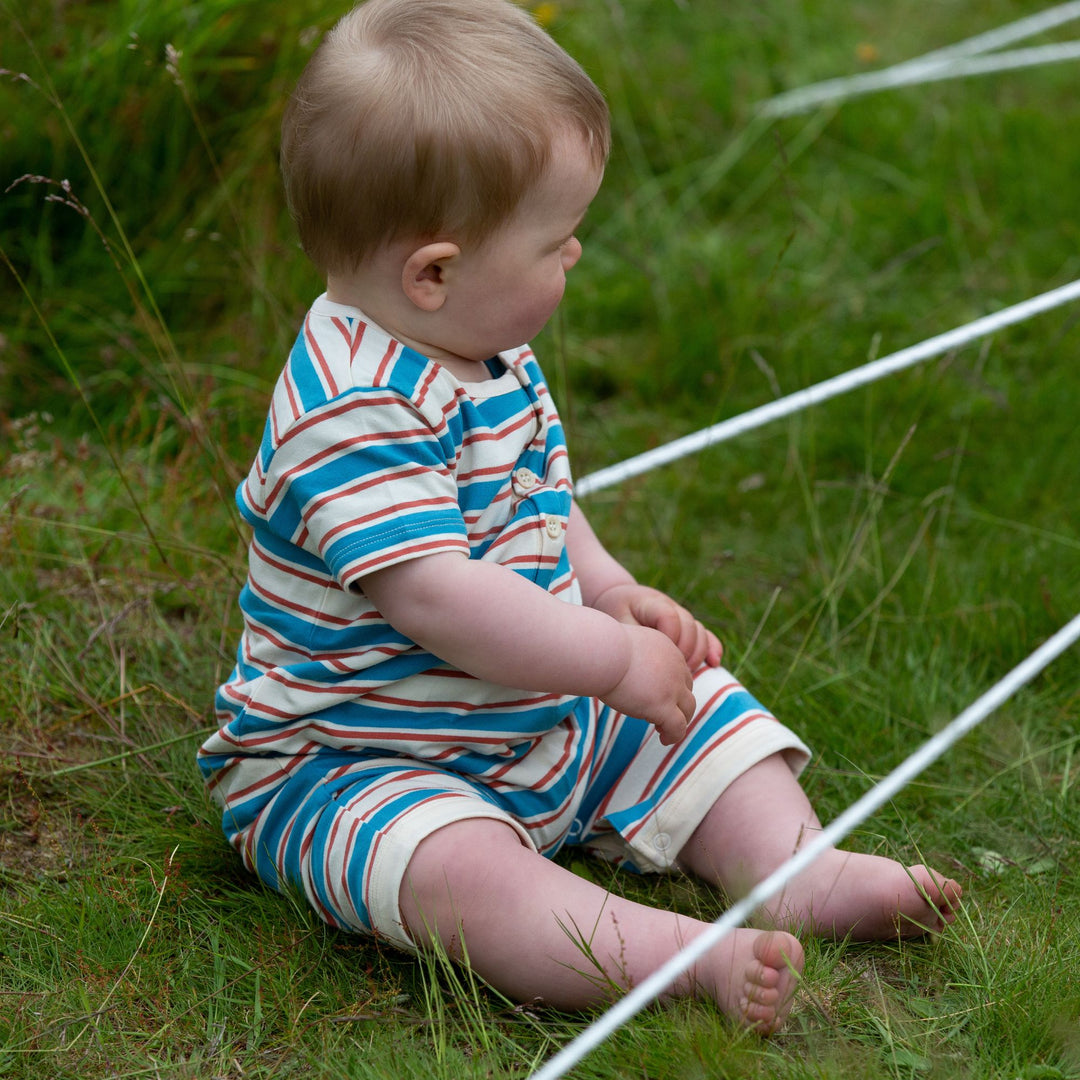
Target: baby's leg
758, 823
521, 921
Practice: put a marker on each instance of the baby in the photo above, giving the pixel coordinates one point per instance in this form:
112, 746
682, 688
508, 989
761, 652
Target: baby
444, 678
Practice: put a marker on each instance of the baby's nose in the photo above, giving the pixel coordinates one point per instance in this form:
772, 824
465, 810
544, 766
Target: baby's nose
571, 253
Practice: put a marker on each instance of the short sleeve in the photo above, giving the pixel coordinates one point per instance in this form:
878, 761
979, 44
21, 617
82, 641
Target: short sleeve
362, 482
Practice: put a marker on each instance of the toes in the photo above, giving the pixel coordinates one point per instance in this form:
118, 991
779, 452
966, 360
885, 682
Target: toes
932, 906
952, 896
778, 952
761, 976
942, 893
771, 981
753, 994
764, 1019
768, 966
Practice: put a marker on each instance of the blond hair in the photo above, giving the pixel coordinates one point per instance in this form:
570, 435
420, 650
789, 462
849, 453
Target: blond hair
424, 119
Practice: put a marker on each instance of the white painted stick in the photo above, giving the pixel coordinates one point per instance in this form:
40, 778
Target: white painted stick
652, 987
1012, 32
936, 63
809, 97
823, 391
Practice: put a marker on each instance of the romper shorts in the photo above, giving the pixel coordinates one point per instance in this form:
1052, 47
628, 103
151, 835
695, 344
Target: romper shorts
344, 827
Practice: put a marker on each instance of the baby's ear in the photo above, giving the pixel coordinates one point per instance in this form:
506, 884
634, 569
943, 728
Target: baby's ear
423, 277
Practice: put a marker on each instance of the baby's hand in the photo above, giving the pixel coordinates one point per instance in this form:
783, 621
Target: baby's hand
649, 607
657, 685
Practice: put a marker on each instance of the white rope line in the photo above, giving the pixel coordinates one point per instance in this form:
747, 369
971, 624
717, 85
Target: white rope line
823, 391
651, 988
1007, 61
809, 97
952, 61
1012, 32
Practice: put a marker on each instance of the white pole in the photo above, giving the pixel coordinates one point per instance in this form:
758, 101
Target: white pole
807, 98
823, 391
938, 62
651, 988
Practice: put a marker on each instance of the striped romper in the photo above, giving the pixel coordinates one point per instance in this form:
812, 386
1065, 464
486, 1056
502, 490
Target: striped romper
343, 744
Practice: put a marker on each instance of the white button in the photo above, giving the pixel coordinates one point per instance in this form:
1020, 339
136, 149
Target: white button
554, 528
526, 478
661, 841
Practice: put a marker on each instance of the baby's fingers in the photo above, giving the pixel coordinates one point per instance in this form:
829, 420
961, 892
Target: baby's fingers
700, 646
689, 635
672, 721
714, 651
671, 727
669, 619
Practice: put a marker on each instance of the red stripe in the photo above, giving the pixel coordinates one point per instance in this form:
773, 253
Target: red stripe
292, 569
390, 512
311, 614
339, 449
358, 336
465, 706
383, 477
508, 536
283, 773
438, 797
708, 707
499, 469
728, 731
287, 381
320, 359
352, 337
425, 386
384, 363
523, 419
401, 554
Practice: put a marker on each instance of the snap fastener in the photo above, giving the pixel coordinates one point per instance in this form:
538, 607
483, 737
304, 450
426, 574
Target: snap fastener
554, 528
662, 841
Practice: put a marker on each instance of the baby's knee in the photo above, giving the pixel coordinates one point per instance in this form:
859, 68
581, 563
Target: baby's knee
453, 870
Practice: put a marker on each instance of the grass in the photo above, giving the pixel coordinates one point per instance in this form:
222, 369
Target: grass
872, 565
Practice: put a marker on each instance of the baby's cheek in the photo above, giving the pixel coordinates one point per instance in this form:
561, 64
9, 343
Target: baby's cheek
540, 310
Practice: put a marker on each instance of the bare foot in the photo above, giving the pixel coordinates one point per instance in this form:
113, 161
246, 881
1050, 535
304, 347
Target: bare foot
866, 896
752, 975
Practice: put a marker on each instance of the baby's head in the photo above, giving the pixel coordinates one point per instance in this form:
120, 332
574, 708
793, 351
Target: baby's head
420, 119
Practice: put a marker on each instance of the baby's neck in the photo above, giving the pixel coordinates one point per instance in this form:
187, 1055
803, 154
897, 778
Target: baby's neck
361, 290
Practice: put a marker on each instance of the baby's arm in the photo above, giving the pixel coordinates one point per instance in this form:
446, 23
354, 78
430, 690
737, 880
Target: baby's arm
485, 619
609, 587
